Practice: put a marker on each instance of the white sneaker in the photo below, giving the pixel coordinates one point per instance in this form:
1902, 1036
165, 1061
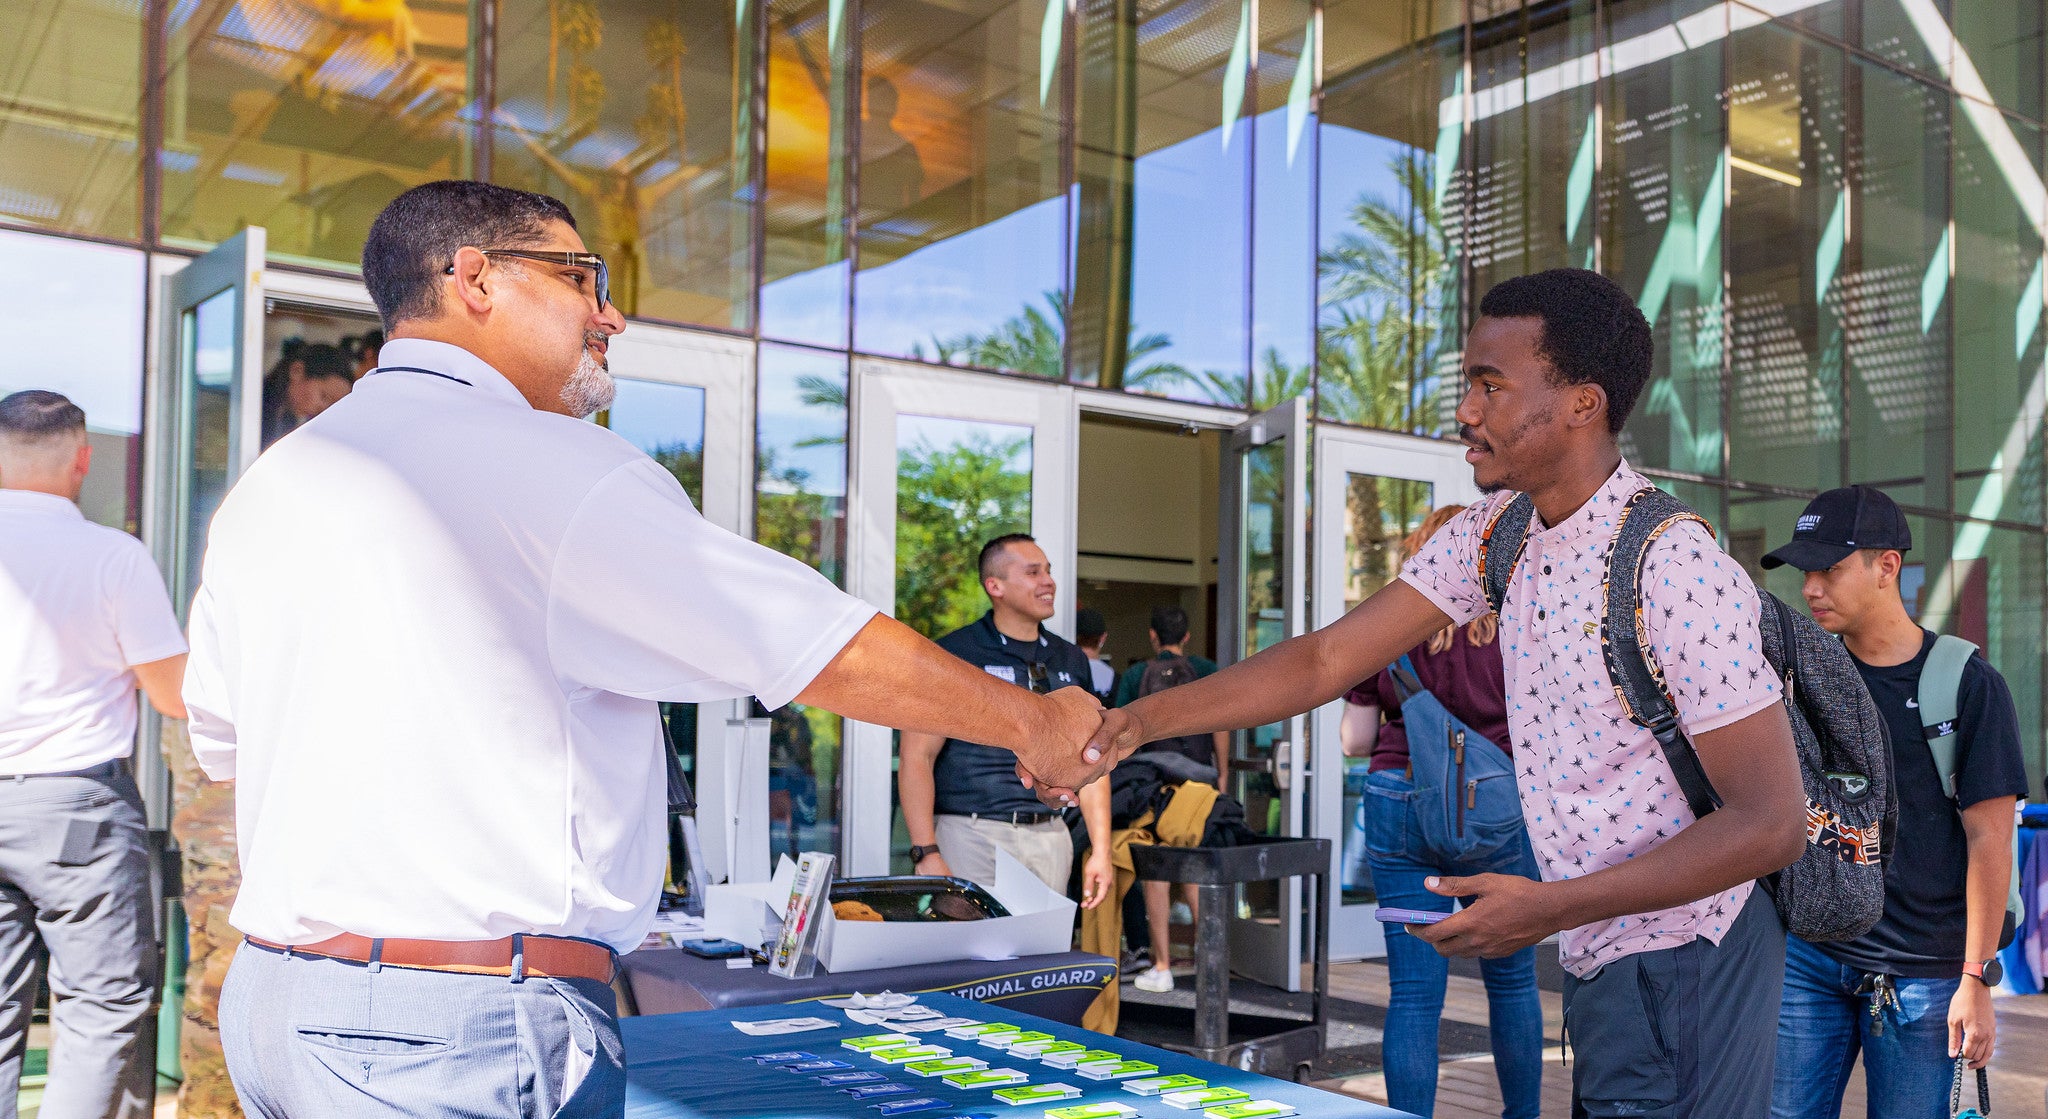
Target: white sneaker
1156, 980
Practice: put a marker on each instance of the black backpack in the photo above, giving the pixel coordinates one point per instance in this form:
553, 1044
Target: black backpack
1836, 889
1172, 671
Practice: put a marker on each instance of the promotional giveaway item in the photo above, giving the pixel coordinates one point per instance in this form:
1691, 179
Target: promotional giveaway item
1037, 1093
873, 1042
1084, 1057
1154, 1085
904, 1054
922, 1103
1011, 1041
886, 1088
773, 1026
1204, 1097
1092, 1111
970, 1030
796, 953
1060, 1049
945, 1066
986, 1078
849, 1079
787, 1057
1115, 1070
1255, 1109
821, 1065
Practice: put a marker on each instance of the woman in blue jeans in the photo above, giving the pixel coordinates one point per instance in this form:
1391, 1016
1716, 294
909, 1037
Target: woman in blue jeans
1461, 667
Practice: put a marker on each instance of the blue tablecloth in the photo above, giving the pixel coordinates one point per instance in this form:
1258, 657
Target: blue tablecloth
696, 1066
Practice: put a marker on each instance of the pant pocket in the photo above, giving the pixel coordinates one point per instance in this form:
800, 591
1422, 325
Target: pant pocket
1623, 1067
374, 1043
593, 1061
1389, 809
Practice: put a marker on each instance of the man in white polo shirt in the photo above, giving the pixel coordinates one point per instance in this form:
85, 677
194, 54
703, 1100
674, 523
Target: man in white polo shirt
434, 625
84, 619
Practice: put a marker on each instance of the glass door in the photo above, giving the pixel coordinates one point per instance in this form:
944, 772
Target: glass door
1260, 588
943, 462
1372, 490
687, 401
216, 317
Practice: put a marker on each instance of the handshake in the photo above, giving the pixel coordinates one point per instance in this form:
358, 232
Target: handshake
1077, 742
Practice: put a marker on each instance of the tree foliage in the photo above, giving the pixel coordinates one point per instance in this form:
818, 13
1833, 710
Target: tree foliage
949, 502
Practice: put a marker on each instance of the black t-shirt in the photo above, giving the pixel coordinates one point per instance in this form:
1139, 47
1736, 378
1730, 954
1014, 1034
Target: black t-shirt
970, 777
1920, 935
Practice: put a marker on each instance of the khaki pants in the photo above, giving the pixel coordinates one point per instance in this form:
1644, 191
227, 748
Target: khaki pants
969, 844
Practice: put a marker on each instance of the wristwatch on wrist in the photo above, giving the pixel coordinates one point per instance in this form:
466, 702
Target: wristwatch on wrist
1988, 972
919, 854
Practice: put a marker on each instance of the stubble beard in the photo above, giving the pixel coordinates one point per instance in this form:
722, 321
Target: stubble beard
590, 388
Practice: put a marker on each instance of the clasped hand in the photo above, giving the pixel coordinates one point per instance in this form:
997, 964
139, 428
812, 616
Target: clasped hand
1082, 742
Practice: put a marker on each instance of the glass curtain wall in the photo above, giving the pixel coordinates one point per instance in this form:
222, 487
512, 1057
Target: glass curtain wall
1832, 211
71, 116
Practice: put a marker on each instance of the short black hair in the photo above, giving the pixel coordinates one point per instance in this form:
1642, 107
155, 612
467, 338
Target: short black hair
1592, 331
1089, 624
321, 360
413, 241
1169, 624
33, 415
992, 551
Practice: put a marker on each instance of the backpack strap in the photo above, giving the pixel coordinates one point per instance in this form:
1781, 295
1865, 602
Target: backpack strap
1500, 547
1624, 641
1407, 684
1941, 682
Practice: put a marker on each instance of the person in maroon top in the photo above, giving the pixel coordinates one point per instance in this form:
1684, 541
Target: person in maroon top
1461, 667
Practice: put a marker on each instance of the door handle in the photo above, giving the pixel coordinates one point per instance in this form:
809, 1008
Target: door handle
1279, 767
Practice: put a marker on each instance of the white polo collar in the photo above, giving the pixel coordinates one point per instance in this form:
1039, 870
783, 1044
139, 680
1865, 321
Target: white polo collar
450, 361
40, 504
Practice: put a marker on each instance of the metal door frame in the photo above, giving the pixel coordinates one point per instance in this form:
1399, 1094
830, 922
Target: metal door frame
1339, 453
880, 391
1257, 948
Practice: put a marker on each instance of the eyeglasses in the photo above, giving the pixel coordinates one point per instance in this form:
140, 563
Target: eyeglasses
566, 259
1040, 682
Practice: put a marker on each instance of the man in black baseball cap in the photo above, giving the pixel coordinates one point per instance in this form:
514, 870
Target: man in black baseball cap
1913, 993
1840, 523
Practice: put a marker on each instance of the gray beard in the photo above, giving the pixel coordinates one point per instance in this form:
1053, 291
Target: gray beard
589, 389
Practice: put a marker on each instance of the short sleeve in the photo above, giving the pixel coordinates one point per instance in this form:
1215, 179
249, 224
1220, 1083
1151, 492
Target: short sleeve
1127, 685
650, 600
1989, 761
145, 626
1446, 570
1701, 611
207, 703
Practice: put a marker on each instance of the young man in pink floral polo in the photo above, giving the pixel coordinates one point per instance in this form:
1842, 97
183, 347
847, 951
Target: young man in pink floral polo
1674, 960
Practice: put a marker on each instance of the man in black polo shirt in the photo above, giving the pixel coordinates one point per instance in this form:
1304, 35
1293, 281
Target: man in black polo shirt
1913, 993
962, 801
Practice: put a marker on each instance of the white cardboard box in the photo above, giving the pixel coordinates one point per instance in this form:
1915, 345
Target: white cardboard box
1041, 922
749, 913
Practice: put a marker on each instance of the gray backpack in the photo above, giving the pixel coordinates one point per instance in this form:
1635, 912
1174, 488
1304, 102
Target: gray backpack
1940, 694
1836, 889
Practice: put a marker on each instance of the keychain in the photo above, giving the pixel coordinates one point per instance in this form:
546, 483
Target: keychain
1955, 1094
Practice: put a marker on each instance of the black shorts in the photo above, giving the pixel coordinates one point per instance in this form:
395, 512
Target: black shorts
1684, 1033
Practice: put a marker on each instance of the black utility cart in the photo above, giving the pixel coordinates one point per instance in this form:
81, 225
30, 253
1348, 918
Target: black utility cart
1274, 1046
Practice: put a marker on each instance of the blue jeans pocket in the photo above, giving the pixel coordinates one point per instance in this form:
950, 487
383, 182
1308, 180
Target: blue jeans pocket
1389, 808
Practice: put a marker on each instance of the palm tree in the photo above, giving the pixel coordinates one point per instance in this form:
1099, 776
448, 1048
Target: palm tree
1387, 285
1033, 342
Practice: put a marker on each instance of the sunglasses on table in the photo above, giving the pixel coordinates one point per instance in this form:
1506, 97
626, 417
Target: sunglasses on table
592, 261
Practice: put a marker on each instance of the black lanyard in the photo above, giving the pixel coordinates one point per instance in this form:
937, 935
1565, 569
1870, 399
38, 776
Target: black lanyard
417, 369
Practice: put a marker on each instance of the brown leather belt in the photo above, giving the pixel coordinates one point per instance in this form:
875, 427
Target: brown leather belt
518, 956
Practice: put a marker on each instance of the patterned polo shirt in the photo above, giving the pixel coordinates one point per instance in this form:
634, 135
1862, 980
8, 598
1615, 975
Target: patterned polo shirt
1596, 790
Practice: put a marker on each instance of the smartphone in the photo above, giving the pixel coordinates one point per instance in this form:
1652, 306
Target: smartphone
1407, 916
715, 949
